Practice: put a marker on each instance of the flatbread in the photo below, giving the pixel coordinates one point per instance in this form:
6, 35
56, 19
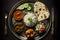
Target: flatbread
41, 11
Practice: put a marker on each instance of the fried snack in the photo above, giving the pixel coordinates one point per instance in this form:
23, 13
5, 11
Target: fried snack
30, 33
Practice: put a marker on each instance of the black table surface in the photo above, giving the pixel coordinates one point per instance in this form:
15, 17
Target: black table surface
8, 4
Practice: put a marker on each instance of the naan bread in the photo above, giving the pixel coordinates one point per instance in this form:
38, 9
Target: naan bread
41, 11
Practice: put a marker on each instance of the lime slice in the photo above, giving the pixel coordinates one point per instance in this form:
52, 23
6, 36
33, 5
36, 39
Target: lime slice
26, 5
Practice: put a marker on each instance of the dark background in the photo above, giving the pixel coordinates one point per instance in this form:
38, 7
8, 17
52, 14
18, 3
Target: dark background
6, 6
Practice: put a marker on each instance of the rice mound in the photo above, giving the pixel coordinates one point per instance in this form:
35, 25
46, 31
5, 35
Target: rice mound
32, 16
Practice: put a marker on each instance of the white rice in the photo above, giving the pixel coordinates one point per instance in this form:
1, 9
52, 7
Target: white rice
30, 15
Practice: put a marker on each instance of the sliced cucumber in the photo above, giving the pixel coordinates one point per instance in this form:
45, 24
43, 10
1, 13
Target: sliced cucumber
26, 5
29, 8
21, 7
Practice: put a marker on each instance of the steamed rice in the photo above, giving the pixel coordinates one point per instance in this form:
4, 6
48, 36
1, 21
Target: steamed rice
32, 16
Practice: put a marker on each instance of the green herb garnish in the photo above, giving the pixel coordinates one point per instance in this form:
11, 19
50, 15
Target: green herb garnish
30, 19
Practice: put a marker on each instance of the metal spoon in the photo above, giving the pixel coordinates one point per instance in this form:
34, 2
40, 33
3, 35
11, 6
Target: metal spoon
6, 24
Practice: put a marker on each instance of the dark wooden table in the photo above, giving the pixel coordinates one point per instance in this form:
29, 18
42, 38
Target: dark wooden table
8, 4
